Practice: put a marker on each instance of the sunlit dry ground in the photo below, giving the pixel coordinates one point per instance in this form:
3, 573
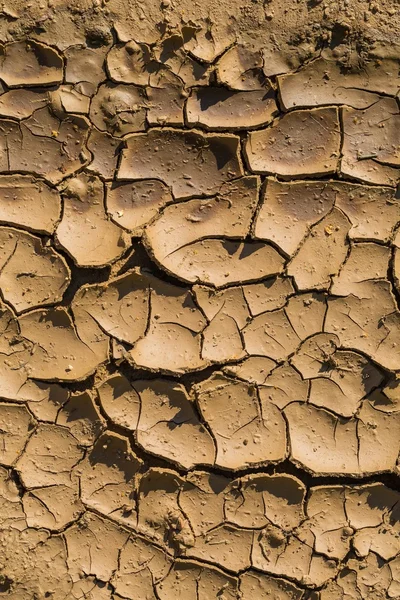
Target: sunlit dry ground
200, 301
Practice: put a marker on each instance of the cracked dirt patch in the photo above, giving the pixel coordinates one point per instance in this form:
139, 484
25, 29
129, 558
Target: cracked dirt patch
199, 301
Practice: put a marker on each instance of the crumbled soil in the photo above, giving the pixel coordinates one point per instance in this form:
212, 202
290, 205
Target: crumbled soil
199, 300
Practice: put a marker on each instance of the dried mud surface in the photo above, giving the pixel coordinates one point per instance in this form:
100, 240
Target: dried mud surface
200, 300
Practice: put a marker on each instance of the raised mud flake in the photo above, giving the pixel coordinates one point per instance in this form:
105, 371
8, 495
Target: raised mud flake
133, 205
12, 514
131, 63
322, 253
21, 103
288, 210
189, 162
324, 81
67, 99
29, 203
339, 379
171, 53
372, 158
252, 435
118, 109
31, 274
325, 443
254, 369
189, 580
165, 99
191, 239
169, 426
240, 68
105, 152
85, 232
85, 67
300, 144
30, 63
142, 566
49, 457
108, 478
93, 546
46, 145
370, 324
220, 108
63, 349
120, 401
255, 501
366, 262
15, 430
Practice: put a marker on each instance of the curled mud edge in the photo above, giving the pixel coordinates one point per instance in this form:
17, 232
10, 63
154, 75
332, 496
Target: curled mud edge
199, 301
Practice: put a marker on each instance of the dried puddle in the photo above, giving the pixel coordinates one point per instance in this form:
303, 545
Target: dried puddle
200, 324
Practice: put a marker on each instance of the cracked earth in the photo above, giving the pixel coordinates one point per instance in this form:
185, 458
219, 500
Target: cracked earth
199, 301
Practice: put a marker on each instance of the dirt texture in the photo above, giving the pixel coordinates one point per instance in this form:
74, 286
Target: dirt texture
199, 300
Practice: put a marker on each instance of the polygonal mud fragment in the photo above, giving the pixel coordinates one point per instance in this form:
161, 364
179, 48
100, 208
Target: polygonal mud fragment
169, 426
372, 158
370, 324
67, 99
268, 295
43, 399
254, 369
254, 501
49, 457
373, 211
306, 313
15, 430
30, 559
219, 108
120, 401
29, 203
189, 162
299, 144
291, 555
324, 81
84, 66
254, 585
252, 435
289, 210
240, 68
191, 239
270, 334
141, 566
165, 99
105, 151
225, 546
108, 478
45, 145
63, 349
31, 274
52, 507
202, 499
189, 580
132, 205
366, 262
102, 241
93, 546
339, 378
30, 63
171, 53
322, 253
160, 517
81, 416
283, 386
325, 443
118, 109
21, 103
